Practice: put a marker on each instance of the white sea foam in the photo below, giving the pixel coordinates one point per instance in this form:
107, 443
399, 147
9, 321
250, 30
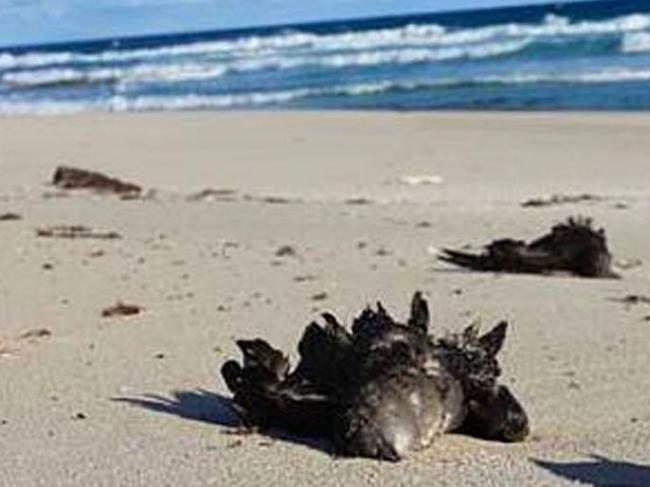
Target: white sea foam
636, 42
302, 43
135, 74
46, 107
158, 73
374, 58
56, 76
608, 75
121, 103
196, 102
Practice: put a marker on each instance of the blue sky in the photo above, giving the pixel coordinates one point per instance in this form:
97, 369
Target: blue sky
33, 21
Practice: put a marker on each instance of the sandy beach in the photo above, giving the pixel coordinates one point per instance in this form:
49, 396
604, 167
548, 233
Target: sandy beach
363, 200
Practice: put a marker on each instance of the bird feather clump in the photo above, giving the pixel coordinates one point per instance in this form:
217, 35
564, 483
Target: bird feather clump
382, 389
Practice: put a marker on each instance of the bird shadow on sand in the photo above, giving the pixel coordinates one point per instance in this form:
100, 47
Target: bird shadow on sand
601, 472
213, 408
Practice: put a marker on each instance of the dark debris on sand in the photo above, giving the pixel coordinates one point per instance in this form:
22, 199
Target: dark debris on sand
72, 178
36, 334
277, 200
632, 299
305, 278
9, 217
560, 199
358, 201
122, 309
322, 296
76, 231
286, 251
573, 246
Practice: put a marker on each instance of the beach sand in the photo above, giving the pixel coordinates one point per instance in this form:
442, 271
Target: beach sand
364, 200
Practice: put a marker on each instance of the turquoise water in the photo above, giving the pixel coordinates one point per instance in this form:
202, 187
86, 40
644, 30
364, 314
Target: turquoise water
588, 55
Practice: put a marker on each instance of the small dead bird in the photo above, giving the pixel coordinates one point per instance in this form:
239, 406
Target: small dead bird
381, 390
66, 177
574, 246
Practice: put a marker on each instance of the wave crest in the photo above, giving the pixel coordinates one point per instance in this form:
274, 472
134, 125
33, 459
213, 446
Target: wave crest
289, 43
123, 103
636, 42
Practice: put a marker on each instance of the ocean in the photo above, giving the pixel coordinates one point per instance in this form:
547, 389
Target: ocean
584, 56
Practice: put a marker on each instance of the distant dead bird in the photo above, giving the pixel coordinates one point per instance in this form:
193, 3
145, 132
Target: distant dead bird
573, 246
66, 177
382, 390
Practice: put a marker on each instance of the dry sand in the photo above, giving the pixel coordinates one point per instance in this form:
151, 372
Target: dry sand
87, 400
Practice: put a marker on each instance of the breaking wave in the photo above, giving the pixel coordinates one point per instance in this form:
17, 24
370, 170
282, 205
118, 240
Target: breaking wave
193, 71
287, 42
636, 42
121, 103
422, 62
139, 73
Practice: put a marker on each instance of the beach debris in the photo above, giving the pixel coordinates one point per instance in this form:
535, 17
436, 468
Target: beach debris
276, 200
632, 299
211, 194
419, 180
36, 334
122, 309
573, 246
76, 231
560, 199
305, 278
358, 201
322, 296
286, 251
382, 252
72, 178
10, 217
79, 416
347, 382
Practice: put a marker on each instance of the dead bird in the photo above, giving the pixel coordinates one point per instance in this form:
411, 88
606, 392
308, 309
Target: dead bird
381, 390
574, 246
66, 177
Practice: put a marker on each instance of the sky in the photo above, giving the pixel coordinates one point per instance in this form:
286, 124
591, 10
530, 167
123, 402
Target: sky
37, 21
